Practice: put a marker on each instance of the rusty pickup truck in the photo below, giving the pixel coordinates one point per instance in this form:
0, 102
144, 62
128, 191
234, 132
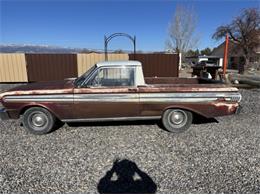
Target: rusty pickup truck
117, 90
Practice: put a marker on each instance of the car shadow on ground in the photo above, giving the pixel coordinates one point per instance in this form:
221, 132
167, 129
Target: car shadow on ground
196, 120
126, 178
114, 123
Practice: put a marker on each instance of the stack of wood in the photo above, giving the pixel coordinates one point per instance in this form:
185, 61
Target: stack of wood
253, 80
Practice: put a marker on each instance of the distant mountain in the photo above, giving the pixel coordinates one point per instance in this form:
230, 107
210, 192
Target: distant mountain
26, 48
13, 48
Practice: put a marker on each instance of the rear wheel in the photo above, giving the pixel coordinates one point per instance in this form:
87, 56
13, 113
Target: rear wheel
177, 120
38, 120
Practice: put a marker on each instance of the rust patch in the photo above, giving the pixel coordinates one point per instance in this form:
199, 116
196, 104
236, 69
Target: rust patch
229, 107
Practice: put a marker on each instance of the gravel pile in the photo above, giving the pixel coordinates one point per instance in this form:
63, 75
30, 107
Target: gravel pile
210, 158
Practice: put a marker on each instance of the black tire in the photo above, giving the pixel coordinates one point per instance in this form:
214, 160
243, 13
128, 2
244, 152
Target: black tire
177, 120
38, 120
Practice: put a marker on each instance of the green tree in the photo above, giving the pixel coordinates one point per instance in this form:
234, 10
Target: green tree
192, 53
207, 51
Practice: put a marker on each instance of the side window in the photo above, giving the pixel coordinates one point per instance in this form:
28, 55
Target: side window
109, 77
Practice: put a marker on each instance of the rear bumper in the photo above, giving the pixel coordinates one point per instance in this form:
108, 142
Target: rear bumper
3, 114
238, 110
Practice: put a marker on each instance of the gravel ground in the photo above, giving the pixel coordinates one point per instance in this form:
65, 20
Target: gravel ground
210, 158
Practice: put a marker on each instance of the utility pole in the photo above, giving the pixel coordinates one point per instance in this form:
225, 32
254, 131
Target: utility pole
225, 56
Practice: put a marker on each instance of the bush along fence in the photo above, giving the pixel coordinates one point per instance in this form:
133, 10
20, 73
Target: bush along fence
19, 67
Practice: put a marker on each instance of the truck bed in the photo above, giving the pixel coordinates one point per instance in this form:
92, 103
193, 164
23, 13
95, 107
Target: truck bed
177, 80
174, 84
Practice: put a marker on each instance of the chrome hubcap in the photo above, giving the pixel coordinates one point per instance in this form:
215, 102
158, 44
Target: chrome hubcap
39, 120
177, 117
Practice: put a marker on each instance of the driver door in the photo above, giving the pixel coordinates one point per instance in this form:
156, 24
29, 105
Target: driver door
109, 93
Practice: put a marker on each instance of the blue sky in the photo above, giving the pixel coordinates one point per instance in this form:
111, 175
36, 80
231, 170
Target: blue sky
79, 23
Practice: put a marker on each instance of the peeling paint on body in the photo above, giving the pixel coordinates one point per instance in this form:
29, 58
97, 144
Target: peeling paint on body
149, 100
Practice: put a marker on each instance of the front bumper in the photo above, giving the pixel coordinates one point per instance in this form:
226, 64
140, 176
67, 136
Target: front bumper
3, 114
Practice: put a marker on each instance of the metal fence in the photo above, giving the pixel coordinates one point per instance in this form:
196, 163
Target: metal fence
158, 65
13, 68
48, 67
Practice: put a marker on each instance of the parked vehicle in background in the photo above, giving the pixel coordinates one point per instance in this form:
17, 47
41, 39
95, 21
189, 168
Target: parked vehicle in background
206, 69
117, 90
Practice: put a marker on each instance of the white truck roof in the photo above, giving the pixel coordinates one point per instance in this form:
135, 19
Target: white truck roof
119, 63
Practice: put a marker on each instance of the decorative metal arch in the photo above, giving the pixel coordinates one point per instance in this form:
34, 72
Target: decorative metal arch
107, 39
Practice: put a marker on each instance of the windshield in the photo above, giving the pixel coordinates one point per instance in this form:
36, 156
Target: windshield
79, 81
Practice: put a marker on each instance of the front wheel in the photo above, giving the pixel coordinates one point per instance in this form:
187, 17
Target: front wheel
38, 120
177, 120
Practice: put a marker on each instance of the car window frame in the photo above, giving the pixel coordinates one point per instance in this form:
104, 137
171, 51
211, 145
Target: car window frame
86, 76
86, 85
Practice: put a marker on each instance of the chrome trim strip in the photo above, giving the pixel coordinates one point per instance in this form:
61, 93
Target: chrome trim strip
125, 97
187, 95
39, 98
106, 97
113, 119
118, 100
184, 99
67, 96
